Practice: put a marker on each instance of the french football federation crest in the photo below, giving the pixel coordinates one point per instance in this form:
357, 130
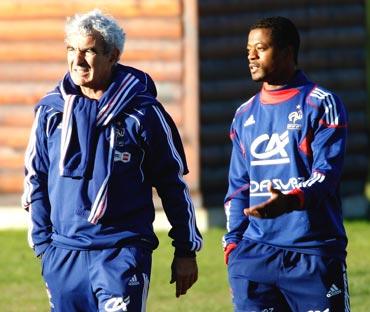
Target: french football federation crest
120, 133
294, 118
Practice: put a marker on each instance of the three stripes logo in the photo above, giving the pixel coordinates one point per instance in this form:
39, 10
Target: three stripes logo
334, 290
316, 177
250, 121
134, 281
331, 113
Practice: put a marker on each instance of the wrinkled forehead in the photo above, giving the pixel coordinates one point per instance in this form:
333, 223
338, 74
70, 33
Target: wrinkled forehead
80, 38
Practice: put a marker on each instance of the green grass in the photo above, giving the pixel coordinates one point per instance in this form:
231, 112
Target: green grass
21, 287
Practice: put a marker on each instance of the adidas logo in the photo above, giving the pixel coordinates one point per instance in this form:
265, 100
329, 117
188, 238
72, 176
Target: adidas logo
250, 121
134, 281
334, 290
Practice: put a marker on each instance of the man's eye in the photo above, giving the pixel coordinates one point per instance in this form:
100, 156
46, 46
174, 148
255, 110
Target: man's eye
70, 49
90, 51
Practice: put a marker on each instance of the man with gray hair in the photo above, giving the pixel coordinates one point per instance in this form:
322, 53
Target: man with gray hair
99, 143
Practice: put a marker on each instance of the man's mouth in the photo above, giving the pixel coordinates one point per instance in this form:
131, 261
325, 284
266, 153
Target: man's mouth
253, 67
81, 70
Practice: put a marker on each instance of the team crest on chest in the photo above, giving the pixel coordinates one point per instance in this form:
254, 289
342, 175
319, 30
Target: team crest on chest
120, 134
119, 154
294, 119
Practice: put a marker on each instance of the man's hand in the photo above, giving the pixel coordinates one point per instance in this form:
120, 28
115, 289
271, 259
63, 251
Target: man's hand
184, 271
277, 205
229, 248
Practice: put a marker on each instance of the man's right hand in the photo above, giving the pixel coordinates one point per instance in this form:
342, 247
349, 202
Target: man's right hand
184, 272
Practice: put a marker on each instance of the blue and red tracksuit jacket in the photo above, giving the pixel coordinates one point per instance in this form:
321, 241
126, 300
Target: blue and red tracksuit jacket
295, 139
90, 175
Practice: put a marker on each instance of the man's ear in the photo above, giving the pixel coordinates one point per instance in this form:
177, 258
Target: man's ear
290, 52
114, 56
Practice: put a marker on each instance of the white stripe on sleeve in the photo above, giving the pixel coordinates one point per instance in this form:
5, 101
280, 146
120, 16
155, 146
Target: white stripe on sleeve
194, 238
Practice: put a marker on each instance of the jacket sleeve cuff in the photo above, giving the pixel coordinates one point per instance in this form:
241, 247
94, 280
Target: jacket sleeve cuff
299, 194
184, 253
227, 250
39, 249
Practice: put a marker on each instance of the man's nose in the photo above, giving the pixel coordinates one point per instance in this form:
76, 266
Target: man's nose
79, 57
252, 54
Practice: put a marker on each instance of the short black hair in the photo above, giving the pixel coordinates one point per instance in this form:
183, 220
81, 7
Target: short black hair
284, 33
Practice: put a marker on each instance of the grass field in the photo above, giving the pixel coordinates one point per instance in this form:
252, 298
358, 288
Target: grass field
21, 287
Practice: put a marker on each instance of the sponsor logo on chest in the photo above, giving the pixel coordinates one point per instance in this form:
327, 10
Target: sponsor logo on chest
270, 150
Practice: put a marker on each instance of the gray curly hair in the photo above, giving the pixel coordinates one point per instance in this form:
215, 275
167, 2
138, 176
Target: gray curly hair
95, 21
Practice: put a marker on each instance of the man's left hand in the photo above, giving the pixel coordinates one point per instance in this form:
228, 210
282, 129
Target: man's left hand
184, 271
277, 205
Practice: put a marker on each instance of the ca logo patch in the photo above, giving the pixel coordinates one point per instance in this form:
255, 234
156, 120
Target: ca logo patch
117, 304
264, 148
